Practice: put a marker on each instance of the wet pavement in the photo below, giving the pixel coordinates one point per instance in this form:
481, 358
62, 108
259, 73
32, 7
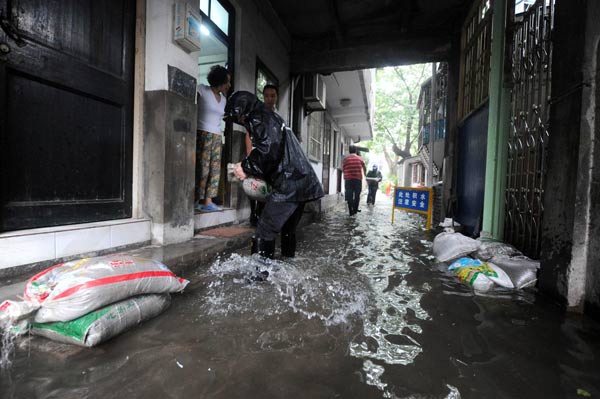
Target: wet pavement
363, 311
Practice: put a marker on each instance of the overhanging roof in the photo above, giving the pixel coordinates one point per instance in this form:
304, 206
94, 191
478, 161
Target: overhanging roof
338, 35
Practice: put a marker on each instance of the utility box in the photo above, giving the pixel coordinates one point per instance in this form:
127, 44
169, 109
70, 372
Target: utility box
186, 26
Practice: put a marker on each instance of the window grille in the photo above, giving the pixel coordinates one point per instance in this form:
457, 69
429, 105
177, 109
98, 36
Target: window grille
475, 58
529, 128
315, 135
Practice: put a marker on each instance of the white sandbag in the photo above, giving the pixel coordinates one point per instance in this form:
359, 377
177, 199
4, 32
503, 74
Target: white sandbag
104, 323
476, 277
491, 248
254, 187
70, 290
448, 246
451, 223
521, 270
257, 189
13, 311
491, 271
500, 277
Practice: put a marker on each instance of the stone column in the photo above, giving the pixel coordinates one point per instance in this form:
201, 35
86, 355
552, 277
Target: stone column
170, 158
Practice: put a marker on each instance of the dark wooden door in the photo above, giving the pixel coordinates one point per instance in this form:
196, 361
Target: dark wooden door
66, 113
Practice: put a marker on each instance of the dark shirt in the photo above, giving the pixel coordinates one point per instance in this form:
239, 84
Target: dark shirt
374, 173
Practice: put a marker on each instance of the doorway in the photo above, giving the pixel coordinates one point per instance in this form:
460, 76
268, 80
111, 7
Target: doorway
217, 30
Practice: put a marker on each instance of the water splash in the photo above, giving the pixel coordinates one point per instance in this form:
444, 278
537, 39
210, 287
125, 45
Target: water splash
7, 344
454, 394
299, 285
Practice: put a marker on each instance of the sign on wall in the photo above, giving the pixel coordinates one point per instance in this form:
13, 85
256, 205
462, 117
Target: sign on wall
411, 199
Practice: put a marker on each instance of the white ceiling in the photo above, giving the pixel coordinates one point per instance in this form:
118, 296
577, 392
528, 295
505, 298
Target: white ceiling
353, 118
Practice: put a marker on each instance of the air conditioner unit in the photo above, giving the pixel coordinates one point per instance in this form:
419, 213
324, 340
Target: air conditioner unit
314, 92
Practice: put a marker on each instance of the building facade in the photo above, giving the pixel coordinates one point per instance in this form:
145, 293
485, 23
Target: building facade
106, 159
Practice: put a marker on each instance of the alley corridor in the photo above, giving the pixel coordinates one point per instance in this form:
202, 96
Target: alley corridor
363, 312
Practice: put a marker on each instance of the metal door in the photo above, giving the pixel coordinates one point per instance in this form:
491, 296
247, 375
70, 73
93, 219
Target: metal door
529, 132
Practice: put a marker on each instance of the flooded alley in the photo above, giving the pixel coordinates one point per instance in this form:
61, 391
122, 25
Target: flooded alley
363, 311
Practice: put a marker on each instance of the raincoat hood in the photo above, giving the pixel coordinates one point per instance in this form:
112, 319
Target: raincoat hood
241, 103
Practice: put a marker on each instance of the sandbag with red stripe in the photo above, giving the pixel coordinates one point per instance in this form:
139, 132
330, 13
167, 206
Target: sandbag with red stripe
70, 290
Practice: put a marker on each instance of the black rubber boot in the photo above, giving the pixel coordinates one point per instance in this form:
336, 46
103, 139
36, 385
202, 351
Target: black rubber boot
254, 246
288, 245
266, 249
253, 215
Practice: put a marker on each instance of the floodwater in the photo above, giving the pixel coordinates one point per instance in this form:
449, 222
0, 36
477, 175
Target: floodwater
363, 311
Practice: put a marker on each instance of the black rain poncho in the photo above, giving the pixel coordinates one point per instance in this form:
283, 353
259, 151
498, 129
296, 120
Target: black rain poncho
277, 156
374, 173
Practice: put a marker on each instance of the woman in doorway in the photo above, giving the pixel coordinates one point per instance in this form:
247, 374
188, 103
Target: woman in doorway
211, 108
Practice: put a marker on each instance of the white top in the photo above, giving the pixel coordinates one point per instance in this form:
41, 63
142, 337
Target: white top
210, 111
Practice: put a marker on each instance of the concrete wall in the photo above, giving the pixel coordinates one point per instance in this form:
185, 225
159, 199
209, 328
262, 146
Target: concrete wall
586, 242
169, 157
563, 226
571, 226
405, 171
169, 128
260, 33
161, 50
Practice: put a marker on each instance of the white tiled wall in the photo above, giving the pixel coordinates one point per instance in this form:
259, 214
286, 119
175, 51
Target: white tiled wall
25, 247
21, 250
208, 219
125, 234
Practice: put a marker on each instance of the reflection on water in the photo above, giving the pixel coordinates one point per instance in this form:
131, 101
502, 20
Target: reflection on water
361, 312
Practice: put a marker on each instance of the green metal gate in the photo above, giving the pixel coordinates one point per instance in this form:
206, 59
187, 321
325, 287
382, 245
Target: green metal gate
529, 130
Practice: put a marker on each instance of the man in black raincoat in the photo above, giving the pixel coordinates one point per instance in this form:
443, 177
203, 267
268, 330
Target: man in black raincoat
374, 177
278, 159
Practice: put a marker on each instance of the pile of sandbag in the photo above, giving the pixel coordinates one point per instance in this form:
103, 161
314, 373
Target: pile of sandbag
90, 300
485, 263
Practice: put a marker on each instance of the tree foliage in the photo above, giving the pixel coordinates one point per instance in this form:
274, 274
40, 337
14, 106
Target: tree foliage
396, 113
